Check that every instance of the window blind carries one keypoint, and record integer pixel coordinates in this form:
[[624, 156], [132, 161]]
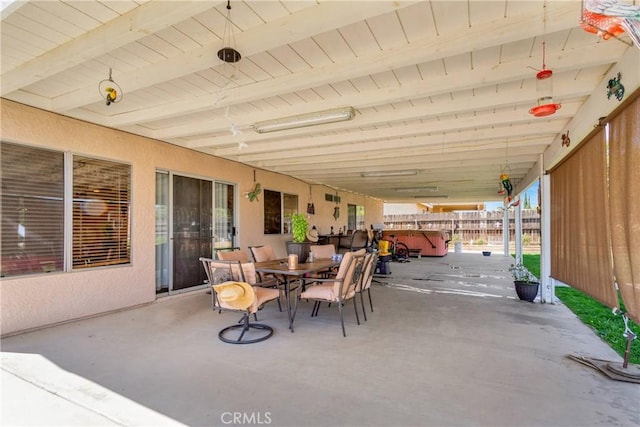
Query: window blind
[[101, 205], [32, 211]]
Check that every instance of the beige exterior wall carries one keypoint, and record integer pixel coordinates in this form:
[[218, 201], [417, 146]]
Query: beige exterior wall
[[39, 300]]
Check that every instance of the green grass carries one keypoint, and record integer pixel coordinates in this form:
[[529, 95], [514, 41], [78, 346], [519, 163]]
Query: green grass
[[596, 315]]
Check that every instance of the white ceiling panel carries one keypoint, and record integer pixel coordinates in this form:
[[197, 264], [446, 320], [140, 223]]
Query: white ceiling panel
[[440, 87]]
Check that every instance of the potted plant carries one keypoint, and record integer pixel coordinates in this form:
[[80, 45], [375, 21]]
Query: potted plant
[[525, 283], [299, 245]]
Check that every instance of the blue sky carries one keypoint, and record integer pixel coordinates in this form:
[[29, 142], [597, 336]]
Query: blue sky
[[532, 192]]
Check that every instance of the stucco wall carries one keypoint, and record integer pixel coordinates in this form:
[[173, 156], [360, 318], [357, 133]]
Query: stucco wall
[[35, 301]]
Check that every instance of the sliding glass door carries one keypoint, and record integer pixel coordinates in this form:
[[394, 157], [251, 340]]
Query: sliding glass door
[[194, 217]]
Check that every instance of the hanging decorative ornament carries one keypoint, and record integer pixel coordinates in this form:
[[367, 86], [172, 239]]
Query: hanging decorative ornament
[[110, 90], [311, 209], [506, 184], [501, 189], [544, 89], [228, 53]]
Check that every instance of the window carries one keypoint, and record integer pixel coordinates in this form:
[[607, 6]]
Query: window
[[101, 198], [355, 217], [33, 211], [32, 238], [278, 208]]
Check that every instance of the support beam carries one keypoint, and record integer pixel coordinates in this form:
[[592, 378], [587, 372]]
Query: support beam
[[505, 229], [547, 285], [518, 231]]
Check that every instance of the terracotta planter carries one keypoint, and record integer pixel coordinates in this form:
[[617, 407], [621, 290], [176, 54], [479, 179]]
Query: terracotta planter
[[527, 291]]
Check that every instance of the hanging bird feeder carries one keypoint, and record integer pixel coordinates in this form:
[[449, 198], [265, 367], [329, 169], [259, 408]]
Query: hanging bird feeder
[[544, 89], [228, 53], [110, 90]]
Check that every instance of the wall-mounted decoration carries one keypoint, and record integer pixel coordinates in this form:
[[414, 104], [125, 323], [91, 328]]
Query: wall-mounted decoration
[[336, 212], [311, 209], [614, 87], [254, 193], [566, 141]]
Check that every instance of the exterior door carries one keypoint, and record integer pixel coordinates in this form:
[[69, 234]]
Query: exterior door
[[192, 230]]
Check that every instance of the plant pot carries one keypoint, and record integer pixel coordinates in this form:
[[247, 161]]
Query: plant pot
[[527, 291], [301, 249]]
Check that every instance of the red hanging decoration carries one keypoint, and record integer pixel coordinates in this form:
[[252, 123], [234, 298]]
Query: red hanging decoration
[[544, 87]]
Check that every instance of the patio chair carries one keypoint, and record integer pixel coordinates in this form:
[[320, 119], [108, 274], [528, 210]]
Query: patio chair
[[359, 240], [366, 279], [266, 253], [254, 278], [354, 241], [230, 291], [323, 252], [338, 289]]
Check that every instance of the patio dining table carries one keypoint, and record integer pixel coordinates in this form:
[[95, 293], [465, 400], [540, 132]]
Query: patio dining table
[[279, 267]]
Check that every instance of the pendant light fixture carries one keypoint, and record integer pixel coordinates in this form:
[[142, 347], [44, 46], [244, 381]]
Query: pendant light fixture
[[228, 53]]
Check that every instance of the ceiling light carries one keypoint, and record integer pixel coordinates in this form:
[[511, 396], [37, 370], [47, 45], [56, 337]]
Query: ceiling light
[[413, 189], [389, 173], [443, 196], [304, 120]]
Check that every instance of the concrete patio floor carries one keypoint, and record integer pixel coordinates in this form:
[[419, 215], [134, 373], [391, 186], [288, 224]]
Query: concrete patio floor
[[448, 344]]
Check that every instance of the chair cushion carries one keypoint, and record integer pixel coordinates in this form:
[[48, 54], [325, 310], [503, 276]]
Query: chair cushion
[[248, 271], [323, 251], [263, 295], [263, 253], [322, 291], [345, 272], [236, 255]]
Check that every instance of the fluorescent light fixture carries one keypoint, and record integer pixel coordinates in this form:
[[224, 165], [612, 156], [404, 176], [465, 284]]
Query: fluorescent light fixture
[[304, 120], [389, 173], [443, 196], [414, 189]]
